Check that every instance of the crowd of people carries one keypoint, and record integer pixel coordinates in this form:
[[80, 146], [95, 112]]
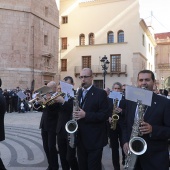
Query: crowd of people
[[94, 119], [14, 103]]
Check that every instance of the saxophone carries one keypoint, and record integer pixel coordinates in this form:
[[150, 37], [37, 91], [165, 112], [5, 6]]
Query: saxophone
[[137, 145], [115, 116], [72, 125]]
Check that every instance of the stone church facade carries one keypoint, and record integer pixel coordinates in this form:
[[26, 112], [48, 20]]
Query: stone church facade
[[28, 43]]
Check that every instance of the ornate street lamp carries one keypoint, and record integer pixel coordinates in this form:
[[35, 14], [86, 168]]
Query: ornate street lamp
[[105, 64], [162, 81]]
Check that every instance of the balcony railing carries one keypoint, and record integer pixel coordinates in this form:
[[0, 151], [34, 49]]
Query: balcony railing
[[164, 66], [97, 69]]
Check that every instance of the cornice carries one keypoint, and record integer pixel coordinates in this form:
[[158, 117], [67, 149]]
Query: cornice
[[97, 2], [147, 31]]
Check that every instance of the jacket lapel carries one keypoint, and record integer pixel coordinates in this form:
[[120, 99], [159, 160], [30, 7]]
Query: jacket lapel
[[88, 96], [150, 109], [133, 111]]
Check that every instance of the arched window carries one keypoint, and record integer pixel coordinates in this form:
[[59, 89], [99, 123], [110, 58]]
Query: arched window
[[120, 36], [82, 39], [91, 39], [110, 37]]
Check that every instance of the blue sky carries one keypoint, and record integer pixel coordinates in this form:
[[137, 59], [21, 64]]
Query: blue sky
[[160, 12]]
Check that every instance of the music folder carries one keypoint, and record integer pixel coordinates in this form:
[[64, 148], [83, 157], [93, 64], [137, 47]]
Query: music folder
[[134, 94]]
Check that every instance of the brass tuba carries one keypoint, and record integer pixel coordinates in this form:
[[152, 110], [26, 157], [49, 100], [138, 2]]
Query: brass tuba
[[115, 116]]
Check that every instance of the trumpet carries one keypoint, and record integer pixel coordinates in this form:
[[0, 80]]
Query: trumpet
[[115, 116], [37, 100], [43, 101], [51, 101]]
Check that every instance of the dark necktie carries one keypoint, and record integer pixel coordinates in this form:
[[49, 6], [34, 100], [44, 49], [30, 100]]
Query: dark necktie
[[84, 93]]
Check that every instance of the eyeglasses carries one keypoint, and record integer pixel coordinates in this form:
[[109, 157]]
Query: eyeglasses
[[81, 77], [116, 88]]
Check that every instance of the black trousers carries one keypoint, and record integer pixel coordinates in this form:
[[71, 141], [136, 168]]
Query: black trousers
[[89, 159], [67, 154], [2, 167], [115, 142], [49, 144]]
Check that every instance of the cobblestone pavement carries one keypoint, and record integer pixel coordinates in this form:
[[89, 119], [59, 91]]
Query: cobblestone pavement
[[22, 148]]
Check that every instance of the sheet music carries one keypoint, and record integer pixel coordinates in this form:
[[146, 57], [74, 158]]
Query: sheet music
[[67, 88], [135, 94], [21, 95], [115, 95]]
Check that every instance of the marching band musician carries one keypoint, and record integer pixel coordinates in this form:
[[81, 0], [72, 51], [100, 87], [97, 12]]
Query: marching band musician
[[2, 128], [91, 118], [48, 127], [66, 153], [115, 135], [155, 127]]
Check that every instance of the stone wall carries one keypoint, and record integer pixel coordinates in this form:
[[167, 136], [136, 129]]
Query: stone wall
[[23, 54]]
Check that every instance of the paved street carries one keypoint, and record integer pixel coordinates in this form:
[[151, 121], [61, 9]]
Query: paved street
[[22, 149]]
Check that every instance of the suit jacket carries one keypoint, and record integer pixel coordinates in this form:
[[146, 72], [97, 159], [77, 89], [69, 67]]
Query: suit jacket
[[65, 114], [110, 101], [2, 113], [156, 156], [49, 117], [92, 130]]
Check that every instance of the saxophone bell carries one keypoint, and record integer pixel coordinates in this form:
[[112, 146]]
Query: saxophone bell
[[71, 126], [115, 118], [137, 145]]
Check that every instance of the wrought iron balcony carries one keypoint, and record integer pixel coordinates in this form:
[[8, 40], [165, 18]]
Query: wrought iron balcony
[[97, 70]]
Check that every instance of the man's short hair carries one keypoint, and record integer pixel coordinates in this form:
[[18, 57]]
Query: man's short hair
[[89, 69], [148, 71], [117, 83], [69, 78]]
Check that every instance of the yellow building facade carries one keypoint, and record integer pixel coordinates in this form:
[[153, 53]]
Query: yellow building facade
[[162, 60]]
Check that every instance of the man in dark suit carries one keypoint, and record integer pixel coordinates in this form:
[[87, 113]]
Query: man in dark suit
[[116, 134], [2, 130], [67, 154], [48, 127], [92, 116], [155, 127]]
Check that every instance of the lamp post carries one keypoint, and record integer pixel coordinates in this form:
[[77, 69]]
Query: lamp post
[[162, 80], [105, 64]]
